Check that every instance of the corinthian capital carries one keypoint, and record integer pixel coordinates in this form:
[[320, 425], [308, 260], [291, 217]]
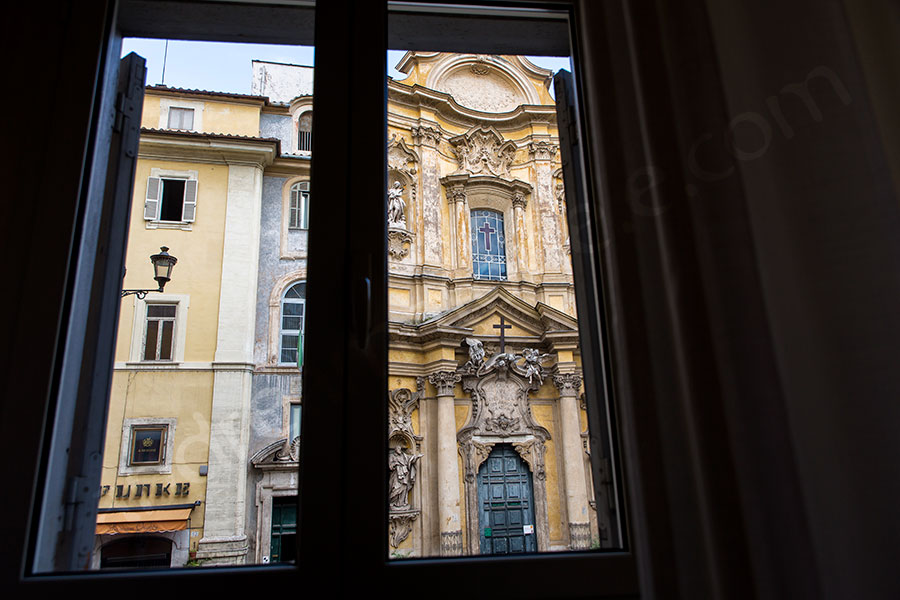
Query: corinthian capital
[[542, 150], [444, 381], [568, 384], [426, 136]]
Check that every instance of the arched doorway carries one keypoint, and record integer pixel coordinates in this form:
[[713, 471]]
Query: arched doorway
[[135, 552], [506, 503]]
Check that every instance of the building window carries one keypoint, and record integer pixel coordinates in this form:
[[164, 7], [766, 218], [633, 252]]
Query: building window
[[298, 211], [160, 333], [148, 445], [171, 200], [304, 132], [284, 529], [488, 245], [295, 421], [181, 118], [293, 315]]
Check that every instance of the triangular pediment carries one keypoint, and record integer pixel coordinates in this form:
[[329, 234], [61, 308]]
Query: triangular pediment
[[479, 316]]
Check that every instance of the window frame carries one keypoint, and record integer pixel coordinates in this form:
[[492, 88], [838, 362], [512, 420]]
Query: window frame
[[281, 329], [362, 287], [500, 216], [182, 303], [159, 333], [302, 209], [182, 112], [163, 175]]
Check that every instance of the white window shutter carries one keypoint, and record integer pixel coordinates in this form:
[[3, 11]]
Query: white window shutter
[[151, 203], [190, 201]]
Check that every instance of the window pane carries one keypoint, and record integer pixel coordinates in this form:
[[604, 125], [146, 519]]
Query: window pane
[[487, 451], [161, 310], [151, 341], [165, 344], [165, 349]]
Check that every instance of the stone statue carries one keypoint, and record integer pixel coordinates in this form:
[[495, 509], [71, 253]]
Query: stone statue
[[533, 359], [402, 465], [396, 213], [476, 352]]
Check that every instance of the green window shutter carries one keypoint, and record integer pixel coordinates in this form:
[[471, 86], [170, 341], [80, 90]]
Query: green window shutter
[[151, 203]]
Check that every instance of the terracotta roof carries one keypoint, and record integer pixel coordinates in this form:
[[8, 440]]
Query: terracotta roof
[[227, 136], [195, 92]]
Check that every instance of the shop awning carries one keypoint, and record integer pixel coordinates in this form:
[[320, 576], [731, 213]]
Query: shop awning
[[145, 521]]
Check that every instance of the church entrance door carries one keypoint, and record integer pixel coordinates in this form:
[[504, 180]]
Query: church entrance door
[[506, 503]]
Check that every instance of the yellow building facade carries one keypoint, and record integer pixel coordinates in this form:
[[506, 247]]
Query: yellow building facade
[[184, 356]]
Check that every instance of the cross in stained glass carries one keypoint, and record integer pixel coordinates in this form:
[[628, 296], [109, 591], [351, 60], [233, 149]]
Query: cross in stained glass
[[487, 230], [503, 326]]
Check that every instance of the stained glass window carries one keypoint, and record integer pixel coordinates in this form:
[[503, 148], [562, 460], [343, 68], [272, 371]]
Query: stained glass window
[[488, 245]]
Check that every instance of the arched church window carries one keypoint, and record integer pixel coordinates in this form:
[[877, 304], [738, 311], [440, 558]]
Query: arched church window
[[304, 132], [488, 245], [293, 316], [298, 217]]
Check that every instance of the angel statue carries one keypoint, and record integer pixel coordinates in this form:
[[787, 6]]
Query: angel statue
[[476, 352], [533, 359], [396, 214], [402, 465]]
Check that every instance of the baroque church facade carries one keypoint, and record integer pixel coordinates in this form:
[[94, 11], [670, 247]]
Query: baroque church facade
[[487, 425]]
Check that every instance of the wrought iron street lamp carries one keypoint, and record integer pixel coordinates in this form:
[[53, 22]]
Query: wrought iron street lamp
[[162, 272]]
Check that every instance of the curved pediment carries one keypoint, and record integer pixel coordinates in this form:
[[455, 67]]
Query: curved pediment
[[282, 454]]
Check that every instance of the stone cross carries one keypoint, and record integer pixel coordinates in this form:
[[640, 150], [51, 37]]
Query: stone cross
[[502, 327]]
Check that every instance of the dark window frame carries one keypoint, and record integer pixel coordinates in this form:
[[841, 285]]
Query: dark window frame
[[361, 287]]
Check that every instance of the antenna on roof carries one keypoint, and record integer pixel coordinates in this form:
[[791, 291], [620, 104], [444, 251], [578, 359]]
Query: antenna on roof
[[165, 56]]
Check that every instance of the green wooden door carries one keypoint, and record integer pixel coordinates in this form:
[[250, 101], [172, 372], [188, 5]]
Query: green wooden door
[[284, 529], [506, 503]]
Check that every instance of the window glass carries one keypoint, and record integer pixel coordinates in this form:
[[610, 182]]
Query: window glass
[[181, 118], [180, 482], [488, 245], [292, 318], [304, 132], [160, 328], [488, 447], [298, 217]]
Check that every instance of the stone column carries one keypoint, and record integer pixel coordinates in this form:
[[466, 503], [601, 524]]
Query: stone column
[[447, 464], [518, 203], [573, 461], [548, 220], [461, 236], [427, 139], [224, 539]]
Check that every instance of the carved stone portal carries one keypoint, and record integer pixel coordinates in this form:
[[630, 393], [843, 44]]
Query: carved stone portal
[[501, 413]]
